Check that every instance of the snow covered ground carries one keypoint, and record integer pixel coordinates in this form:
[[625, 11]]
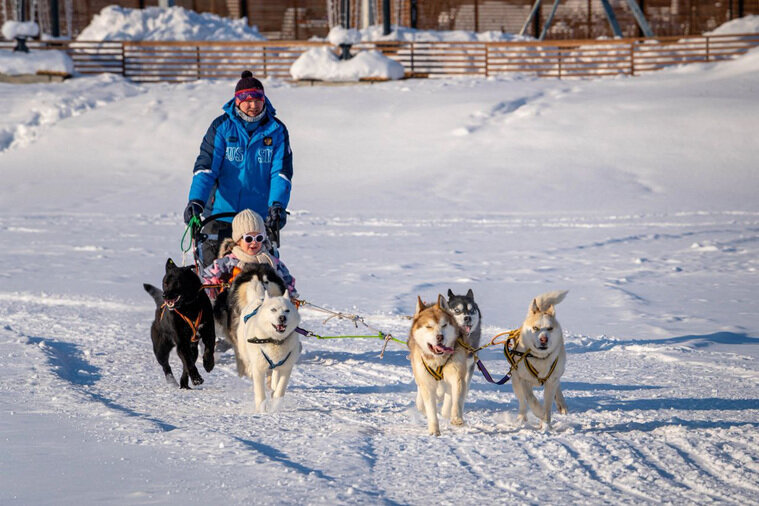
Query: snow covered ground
[[638, 195]]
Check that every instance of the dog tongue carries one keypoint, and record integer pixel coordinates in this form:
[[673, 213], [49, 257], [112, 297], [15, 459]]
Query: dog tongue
[[443, 349], [468, 328]]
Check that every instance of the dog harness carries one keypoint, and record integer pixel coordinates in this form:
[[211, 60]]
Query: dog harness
[[272, 365], [436, 373], [511, 353], [251, 314], [195, 326]]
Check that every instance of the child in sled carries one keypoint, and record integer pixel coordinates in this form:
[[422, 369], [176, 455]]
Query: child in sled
[[248, 245]]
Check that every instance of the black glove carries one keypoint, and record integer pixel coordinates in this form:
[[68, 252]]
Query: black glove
[[194, 208], [276, 218]]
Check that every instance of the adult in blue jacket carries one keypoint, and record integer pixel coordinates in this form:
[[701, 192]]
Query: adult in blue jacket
[[245, 162]]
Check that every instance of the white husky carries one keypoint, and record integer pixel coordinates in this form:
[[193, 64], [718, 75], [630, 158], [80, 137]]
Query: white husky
[[269, 345], [538, 359]]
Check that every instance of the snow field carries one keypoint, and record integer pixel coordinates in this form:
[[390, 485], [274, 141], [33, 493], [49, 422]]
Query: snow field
[[637, 195]]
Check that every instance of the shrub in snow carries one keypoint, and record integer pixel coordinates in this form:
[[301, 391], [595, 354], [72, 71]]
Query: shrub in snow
[[322, 64], [339, 35], [173, 23], [13, 29]]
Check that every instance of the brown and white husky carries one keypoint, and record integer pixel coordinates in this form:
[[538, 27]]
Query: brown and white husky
[[438, 362]]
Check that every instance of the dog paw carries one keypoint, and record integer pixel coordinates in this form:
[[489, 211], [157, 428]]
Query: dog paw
[[457, 421], [434, 432], [208, 362], [563, 410], [197, 380], [522, 419], [171, 380], [546, 426]]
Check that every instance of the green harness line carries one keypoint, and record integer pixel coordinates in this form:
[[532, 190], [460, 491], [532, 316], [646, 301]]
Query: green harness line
[[380, 335], [193, 224]]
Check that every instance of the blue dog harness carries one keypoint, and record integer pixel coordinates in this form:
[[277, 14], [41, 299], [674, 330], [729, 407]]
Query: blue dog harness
[[272, 365]]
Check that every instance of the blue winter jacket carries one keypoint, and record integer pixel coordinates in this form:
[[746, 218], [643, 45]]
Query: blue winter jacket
[[243, 171]]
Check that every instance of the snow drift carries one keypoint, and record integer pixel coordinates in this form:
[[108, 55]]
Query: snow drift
[[322, 63], [173, 23]]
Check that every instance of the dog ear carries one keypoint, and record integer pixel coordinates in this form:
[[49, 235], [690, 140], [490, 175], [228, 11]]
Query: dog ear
[[550, 311], [419, 305], [442, 303], [286, 294], [450, 293], [534, 309], [170, 265], [266, 295], [470, 294]]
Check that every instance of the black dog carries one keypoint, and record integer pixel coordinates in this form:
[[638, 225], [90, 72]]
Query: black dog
[[183, 317]]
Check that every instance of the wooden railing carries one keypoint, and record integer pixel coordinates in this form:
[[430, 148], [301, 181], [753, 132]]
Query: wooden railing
[[188, 61]]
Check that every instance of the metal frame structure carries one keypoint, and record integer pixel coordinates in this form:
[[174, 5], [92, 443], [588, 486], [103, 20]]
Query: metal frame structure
[[637, 13]]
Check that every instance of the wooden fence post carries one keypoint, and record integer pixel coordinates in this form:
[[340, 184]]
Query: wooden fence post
[[263, 57], [412, 57], [197, 63], [707, 48], [559, 63], [632, 57], [487, 60], [123, 60]]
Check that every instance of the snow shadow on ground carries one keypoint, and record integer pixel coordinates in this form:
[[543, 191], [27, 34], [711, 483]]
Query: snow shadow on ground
[[656, 424], [277, 456], [68, 363], [604, 343], [394, 358], [697, 341], [688, 404]]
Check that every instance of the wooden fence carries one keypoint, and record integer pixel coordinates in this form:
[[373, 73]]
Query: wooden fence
[[187, 61]]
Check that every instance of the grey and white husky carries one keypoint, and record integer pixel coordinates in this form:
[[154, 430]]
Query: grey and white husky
[[467, 314]]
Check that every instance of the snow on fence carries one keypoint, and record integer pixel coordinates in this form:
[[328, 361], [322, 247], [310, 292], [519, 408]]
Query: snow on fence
[[187, 61]]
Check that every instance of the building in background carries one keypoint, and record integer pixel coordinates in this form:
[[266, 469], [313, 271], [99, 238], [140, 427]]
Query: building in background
[[303, 19]]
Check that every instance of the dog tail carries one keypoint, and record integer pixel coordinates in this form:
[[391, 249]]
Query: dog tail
[[154, 292], [548, 300]]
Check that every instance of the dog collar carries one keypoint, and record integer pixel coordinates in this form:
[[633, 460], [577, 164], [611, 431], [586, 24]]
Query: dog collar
[[256, 340]]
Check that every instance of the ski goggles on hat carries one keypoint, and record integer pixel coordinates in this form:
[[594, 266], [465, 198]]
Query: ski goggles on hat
[[249, 238], [249, 94]]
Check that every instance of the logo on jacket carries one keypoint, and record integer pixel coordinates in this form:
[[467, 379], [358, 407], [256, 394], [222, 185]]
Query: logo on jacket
[[267, 141], [265, 155], [234, 154]]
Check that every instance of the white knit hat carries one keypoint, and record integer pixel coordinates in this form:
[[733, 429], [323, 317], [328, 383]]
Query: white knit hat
[[245, 222]]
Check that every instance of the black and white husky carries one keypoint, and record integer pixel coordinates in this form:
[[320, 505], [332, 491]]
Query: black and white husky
[[467, 314], [247, 288]]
